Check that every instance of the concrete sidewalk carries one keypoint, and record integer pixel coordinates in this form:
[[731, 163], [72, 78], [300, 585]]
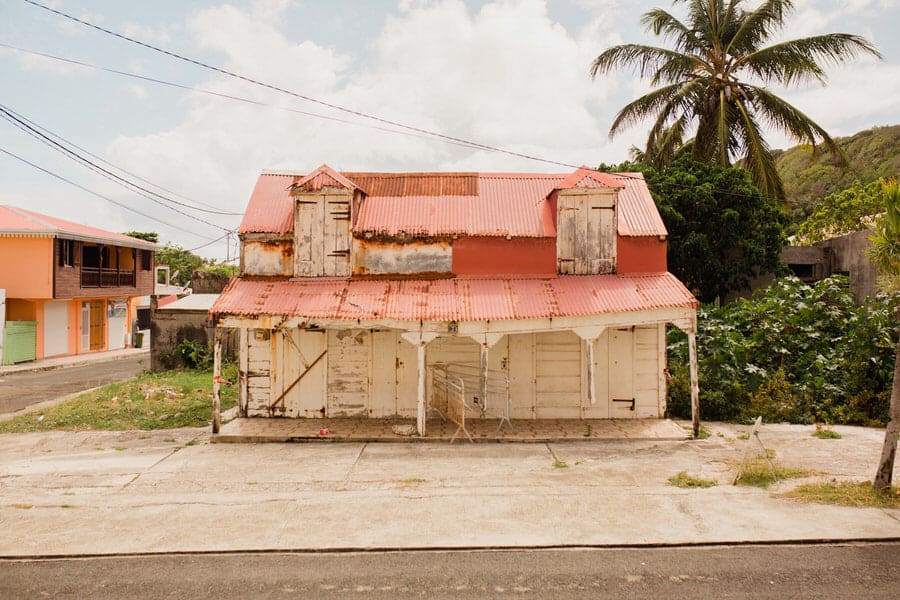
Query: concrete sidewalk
[[126, 492], [61, 362]]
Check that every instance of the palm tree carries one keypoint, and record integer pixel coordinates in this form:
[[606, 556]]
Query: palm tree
[[885, 253], [713, 84]]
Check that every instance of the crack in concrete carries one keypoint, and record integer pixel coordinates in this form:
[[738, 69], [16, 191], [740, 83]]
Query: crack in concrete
[[151, 467], [355, 462]]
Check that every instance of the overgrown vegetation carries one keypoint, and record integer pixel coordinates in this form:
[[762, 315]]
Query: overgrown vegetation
[[182, 264], [824, 432], [683, 480], [150, 401], [791, 353], [847, 493], [840, 213], [188, 354]]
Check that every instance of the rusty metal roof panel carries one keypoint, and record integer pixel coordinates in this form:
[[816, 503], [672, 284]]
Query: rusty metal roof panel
[[638, 215], [452, 299], [416, 184], [271, 206]]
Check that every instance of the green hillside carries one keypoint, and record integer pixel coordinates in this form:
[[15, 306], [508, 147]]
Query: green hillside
[[872, 153]]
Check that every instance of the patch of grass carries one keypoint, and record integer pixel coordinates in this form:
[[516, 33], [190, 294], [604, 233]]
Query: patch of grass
[[758, 473], [23, 506], [744, 436], [847, 493], [251, 483], [413, 480], [120, 448], [587, 430], [683, 480], [191, 443], [702, 434], [169, 440], [560, 464], [67, 506], [165, 400], [824, 432]]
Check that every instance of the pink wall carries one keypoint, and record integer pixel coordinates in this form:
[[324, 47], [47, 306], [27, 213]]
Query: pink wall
[[640, 255], [499, 256]]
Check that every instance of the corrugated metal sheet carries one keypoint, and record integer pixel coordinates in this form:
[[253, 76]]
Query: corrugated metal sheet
[[637, 211], [416, 184], [483, 204], [452, 299], [18, 221], [271, 206]]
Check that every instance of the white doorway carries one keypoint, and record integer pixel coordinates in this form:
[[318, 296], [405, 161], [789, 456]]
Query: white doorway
[[56, 327]]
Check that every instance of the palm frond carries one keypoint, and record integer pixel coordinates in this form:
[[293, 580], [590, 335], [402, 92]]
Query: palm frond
[[757, 26], [646, 59], [638, 110], [885, 250], [758, 157], [663, 23], [799, 60]]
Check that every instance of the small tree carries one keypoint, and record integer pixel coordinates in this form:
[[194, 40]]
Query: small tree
[[147, 236], [723, 231], [181, 262], [885, 254], [843, 212]]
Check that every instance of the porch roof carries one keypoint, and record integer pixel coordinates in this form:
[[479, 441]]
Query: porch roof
[[457, 299]]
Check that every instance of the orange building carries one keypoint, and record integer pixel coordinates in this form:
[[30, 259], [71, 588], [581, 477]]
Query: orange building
[[77, 285]]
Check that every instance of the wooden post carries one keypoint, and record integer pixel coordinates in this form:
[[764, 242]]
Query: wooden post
[[217, 378], [695, 383], [484, 375], [420, 390], [592, 394]]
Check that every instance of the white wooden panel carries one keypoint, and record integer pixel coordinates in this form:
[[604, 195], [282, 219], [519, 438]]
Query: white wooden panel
[[600, 408], [600, 247], [307, 397], [243, 367], [566, 223], [646, 371], [337, 235], [521, 375], [259, 381], [383, 399], [621, 373], [56, 327], [453, 349], [309, 241], [558, 366], [407, 378], [348, 372]]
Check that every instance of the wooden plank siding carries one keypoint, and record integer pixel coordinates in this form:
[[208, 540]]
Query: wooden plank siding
[[349, 367]]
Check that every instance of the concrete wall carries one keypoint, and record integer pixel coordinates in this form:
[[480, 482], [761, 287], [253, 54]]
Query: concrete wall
[[846, 255], [168, 327], [203, 282]]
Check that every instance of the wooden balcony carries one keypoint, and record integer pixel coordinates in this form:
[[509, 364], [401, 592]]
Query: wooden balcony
[[92, 277]]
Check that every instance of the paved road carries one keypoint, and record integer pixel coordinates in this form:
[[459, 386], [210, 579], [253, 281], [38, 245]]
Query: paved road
[[795, 571], [18, 390]]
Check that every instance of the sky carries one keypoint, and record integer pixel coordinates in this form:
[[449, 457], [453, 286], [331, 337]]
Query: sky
[[509, 74]]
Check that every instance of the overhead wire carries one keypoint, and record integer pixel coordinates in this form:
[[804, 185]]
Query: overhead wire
[[331, 105], [99, 195], [225, 97], [11, 117]]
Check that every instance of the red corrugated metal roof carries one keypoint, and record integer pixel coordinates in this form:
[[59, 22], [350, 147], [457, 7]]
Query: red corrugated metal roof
[[18, 221], [323, 177], [488, 204], [638, 215], [457, 299]]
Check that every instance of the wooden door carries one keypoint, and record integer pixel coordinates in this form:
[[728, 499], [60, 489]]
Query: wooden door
[[337, 235], [98, 324], [621, 373], [557, 369], [349, 364], [301, 369]]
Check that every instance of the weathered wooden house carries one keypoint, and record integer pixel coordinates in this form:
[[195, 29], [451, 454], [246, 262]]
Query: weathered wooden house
[[356, 287]]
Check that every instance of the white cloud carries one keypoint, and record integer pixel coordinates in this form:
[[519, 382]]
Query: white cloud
[[506, 75]]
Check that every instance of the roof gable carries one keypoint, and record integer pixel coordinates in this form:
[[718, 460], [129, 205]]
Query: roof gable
[[321, 178]]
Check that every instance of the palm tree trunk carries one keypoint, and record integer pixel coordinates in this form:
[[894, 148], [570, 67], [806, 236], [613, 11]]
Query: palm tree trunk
[[885, 472]]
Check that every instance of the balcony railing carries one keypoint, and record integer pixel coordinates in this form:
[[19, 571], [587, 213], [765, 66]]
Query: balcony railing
[[97, 277]]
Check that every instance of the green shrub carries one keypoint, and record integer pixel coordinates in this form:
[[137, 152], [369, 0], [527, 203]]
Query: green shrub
[[188, 354], [793, 353]]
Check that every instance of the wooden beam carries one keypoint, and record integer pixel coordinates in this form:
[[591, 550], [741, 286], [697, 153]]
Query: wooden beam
[[695, 383], [217, 378]]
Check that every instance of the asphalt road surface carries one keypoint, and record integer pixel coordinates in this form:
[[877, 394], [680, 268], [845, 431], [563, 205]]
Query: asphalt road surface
[[18, 390], [775, 571]]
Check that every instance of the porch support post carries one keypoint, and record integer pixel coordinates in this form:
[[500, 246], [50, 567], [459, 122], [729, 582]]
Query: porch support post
[[695, 383], [217, 378], [590, 335], [487, 341], [420, 339]]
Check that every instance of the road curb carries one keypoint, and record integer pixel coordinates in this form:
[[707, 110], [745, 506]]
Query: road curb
[[448, 549]]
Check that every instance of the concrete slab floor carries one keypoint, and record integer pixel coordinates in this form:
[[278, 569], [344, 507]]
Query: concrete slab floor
[[113, 492]]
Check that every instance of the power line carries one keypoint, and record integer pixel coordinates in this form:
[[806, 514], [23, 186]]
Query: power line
[[218, 239], [223, 96], [98, 195], [11, 117], [333, 106]]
